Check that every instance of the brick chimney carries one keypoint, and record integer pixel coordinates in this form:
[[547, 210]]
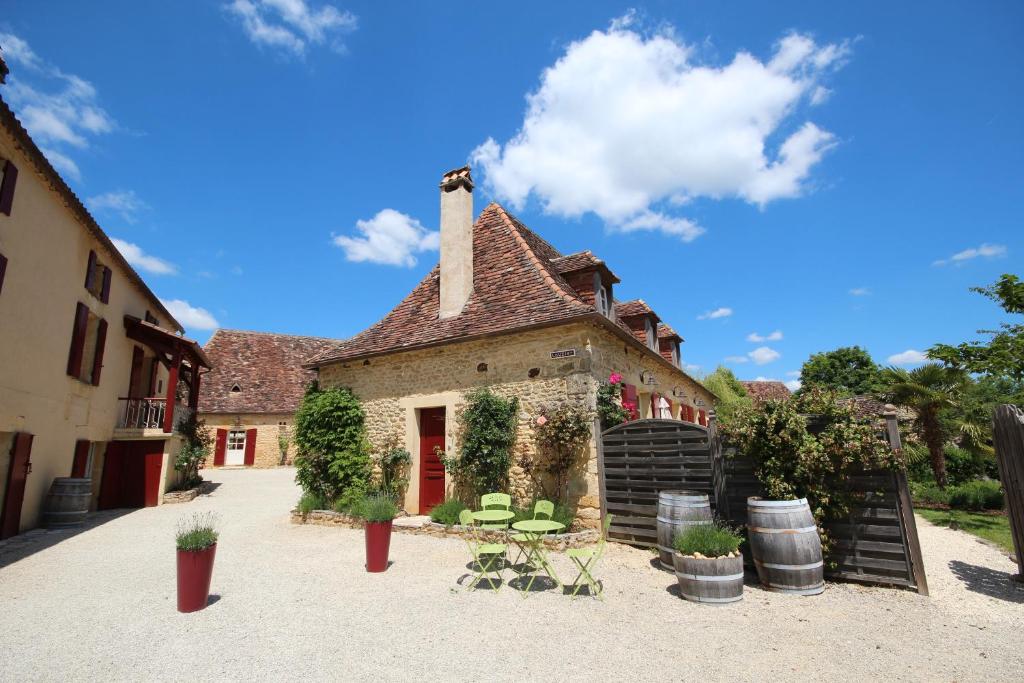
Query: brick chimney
[[456, 241]]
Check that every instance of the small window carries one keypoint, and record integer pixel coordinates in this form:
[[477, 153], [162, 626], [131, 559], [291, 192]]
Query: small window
[[235, 389], [652, 337], [97, 278], [676, 361], [150, 318]]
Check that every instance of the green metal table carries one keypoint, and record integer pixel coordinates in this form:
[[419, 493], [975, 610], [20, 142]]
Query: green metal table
[[532, 543], [493, 516]]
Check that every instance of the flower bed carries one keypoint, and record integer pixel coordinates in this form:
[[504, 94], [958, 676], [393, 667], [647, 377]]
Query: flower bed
[[554, 541]]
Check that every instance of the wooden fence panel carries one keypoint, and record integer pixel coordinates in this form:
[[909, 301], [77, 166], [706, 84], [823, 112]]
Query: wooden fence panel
[[1008, 434]]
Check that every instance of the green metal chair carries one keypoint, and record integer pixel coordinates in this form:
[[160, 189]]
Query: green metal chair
[[488, 558], [543, 509], [586, 559], [495, 501]]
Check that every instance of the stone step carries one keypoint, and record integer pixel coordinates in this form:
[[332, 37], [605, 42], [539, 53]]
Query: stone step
[[412, 521]]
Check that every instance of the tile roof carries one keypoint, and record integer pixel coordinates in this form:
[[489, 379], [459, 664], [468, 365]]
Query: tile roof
[[766, 391], [266, 367], [581, 260], [515, 286], [869, 408], [666, 332], [24, 142], [628, 309]]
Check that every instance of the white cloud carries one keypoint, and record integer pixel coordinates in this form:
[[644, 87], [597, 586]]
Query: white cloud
[[623, 124], [982, 251], [293, 25], [722, 312], [190, 316], [793, 373], [57, 108], [860, 291], [141, 260], [763, 355], [774, 336], [793, 384], [123, 202], [820, 95], [391, 238], [736, 359], [908, 357]]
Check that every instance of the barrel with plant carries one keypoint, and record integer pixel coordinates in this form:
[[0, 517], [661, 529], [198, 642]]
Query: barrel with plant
[[196, 541], [678, 511], [708, 564]]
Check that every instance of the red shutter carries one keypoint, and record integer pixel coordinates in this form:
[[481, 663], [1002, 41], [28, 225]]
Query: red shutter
[[105, 291], [90, 271], [97, 360], [78, 340], [220, 446], [81, 459], [153, 369], [630, 401], [7, 188], [702, 417], [671, 409], [3, 270], [250, 446]]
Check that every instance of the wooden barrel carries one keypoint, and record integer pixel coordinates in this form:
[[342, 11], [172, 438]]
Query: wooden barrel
[[712, 581], [785, 544], [678, 511], [67, 503]]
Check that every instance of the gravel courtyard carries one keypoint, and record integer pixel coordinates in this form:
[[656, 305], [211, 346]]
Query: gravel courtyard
[[293, 603]]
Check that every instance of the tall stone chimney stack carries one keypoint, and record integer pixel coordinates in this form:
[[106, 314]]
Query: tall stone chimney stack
[[456, 241]]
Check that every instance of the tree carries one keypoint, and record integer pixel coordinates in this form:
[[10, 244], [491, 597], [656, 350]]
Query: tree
[[848, 370], [731, 394], [929, 390], [1003, 354]]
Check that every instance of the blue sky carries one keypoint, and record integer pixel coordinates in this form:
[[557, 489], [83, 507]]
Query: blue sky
[[774, 179]]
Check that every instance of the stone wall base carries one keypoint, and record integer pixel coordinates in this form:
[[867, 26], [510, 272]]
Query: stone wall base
[[578, 539]]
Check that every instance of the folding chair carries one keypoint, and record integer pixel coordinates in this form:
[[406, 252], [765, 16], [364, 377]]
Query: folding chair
[[488, 558], [495, 501], [586, 559]]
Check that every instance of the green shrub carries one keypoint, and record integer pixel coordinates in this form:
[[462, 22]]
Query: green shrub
[[487, 426], [928, 493], [563, 514], [562, 436], [330, 439], [197, 532], [710, 540], [963, 466], [375, 507], [981, 494], [447, 513], [311, 501]]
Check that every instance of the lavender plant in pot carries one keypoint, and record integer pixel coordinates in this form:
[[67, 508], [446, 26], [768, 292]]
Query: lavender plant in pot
[[708, 564], [196, 541], [377, 511]]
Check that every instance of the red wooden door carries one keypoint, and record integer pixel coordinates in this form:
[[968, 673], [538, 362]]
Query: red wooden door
[[14, 495], [131, 474], [110, 484], [431, 469], [152, 456]]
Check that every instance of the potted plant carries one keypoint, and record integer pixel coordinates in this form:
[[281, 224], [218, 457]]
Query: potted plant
[[708, 564], [377, 512], [196, 541]]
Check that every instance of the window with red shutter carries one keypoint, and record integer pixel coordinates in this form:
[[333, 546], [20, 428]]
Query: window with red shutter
[[101, 342], [3, 271], [78, 340], [10, 179], [630, 401], [80, 465], [105, 287], [90, 271]]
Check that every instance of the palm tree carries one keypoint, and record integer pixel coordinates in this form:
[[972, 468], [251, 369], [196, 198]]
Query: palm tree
[[928, 390]]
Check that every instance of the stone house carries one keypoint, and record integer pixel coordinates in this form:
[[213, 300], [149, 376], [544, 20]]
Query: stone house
[[504, 309], [250, 396], [94, 373]]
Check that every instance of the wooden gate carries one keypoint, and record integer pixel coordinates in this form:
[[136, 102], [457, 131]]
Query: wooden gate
[[638, 459]]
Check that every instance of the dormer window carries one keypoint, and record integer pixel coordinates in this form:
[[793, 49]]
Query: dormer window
[[676, 360], [649, 335], [603, 301]]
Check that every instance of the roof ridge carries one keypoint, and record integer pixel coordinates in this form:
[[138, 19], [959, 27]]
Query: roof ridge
[[544, 273], [275, 334]]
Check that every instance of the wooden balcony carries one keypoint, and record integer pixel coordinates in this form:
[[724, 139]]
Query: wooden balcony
[[140, 418]]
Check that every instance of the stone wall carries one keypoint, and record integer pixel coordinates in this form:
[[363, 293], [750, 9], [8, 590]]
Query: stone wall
[[393, 388], [267, 425]]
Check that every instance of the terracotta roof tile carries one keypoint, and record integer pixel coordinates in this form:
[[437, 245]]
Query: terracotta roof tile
[[266, 367], [629, 309], [766, 391], [870, 408], [514, 286], [666, 332]]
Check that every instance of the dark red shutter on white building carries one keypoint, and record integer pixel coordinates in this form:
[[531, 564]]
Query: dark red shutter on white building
[[78, 340], [7, 188], [101, 343]]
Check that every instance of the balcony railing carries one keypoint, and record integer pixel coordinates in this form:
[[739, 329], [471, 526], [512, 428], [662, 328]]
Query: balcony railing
[[149, 413]]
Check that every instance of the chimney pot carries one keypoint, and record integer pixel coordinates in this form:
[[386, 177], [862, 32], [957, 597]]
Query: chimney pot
[[456, 284]]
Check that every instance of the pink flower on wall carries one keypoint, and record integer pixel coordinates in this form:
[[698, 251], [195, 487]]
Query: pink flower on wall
[[615, 378], [541, 421]]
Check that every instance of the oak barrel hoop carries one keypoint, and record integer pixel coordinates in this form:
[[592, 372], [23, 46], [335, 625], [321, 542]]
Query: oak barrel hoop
[[786, 547], [712, 581], [67, 503], [677, 512]]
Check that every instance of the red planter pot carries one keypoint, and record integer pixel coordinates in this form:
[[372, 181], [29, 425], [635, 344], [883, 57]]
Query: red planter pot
[[378, 541], [195, 569]]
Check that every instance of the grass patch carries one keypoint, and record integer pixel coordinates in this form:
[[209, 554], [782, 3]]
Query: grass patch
[[311, 501], [991, 527]]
